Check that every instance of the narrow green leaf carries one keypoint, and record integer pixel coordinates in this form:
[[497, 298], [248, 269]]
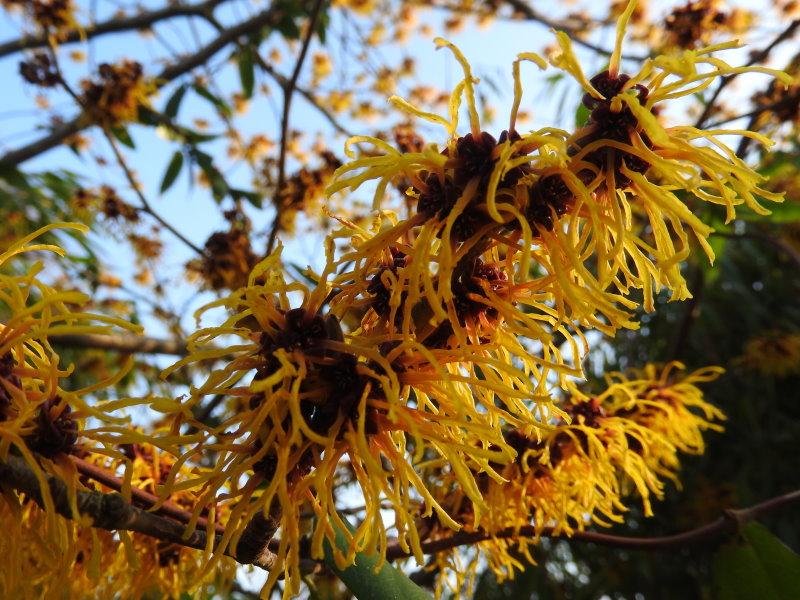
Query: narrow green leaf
[[173, 168], [219, 187], [121, 133], [288, 28], [758, 567], [174, 102], [323, 21], [253, 198], [361, 579], [195, 137], [14, 177], [215, 100], [247, 70]]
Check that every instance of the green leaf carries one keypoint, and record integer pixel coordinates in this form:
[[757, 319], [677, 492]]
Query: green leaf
[[123, 136], [757, 567], [215, 100], [785, 212], [174, 102], [173, 168], [219, 187], [361, 579], [195, 137], [253, 198], [581, 115], [14, 177], [247, 70], [323, 21]]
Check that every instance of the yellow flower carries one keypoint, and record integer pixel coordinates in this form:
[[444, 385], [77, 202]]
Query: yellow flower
[[561, 207], [313, 398], [39, 418], [774, 354], [621, 442]]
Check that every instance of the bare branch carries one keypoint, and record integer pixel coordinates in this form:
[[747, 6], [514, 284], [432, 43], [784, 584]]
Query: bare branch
[[140, 21], [524, 9], [130, 344], [146, 206], [269, 16], [756, 58], [705, 534], [111, 511], [139, 496], [288, 93]]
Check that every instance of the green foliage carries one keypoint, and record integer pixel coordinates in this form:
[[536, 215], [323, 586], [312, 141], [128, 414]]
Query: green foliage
[[366, 584], [757, 566]]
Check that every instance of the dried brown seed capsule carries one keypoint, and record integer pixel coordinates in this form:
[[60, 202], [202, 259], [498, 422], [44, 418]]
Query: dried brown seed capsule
[[549, 194], [473, 157], [39, 70]]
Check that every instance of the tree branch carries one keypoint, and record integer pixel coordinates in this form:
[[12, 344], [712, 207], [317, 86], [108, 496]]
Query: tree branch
[[705, 534], [140, 21], [112, 512], [288, 93], [758, 57], [130, 344], [523, 8], [139, 496], [271, 15]]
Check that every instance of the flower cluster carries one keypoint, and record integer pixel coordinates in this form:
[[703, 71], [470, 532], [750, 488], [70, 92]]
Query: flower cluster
[[422, 363], [115, 95], [53, 17], [624, 441]]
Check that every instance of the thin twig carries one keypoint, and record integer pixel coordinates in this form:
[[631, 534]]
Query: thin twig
[[129, 344], [705, 534], [521, 7], [288, 94], [756, 58], [115, 25], [284, 82], [146, 207]]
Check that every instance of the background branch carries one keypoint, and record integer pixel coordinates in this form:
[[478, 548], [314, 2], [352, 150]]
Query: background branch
[[705, 534], [140, 21], [269, 16], [288, 93], [131, 344]]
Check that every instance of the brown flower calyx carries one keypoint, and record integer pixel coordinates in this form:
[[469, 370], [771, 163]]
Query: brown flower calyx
[[110, 95], [586, 413], [548, 199], [39, 70], [471, 157], [620, 126], [529, 450], [339, 387], [480, 279], [377, 286], [56, 430]]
